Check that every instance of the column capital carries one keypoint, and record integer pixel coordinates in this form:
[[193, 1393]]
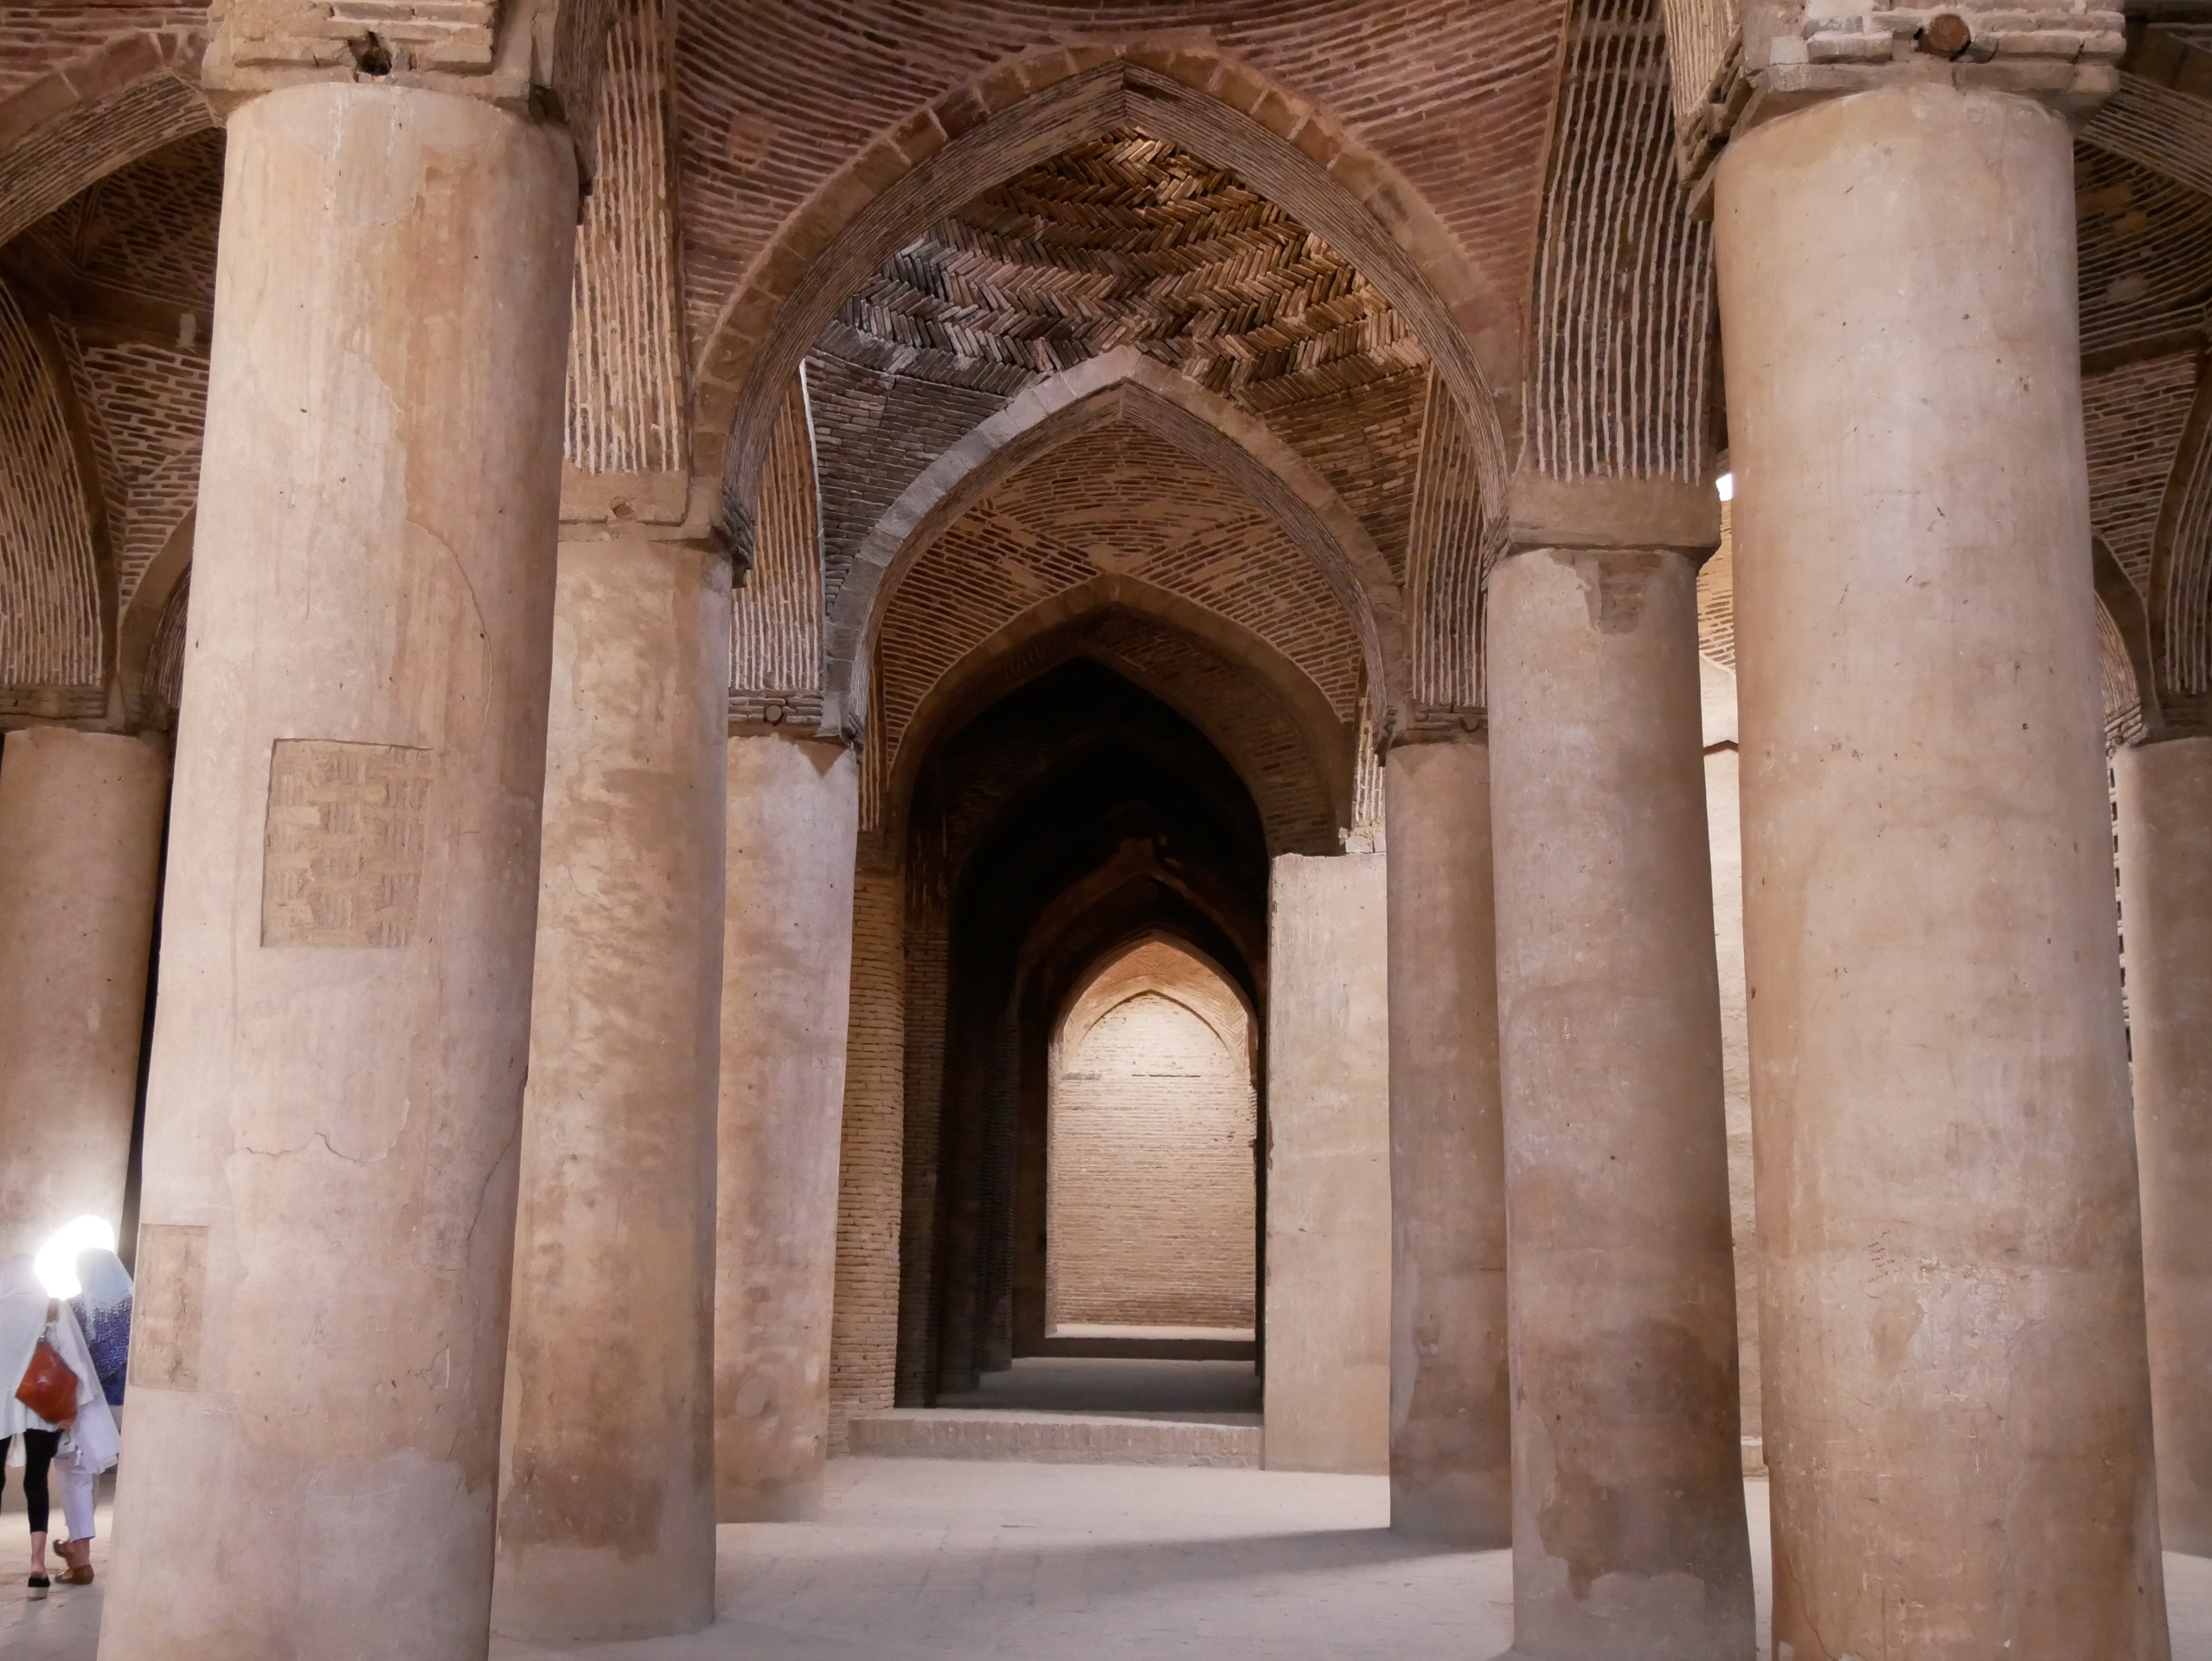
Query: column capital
[[1415, 723], [2167, 715], [540, 58], [1623, 513], [1788, 54], [796, 716]]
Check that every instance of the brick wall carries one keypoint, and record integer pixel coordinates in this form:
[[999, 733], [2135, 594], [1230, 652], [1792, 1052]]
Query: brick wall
[[865, 1327], [1151, 1189]]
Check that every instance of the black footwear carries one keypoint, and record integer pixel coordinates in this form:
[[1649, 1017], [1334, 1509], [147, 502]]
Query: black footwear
[[39, 1584]]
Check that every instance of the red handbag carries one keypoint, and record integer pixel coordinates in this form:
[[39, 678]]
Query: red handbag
[[49, 1388]]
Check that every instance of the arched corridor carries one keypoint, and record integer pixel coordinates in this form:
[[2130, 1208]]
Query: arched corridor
[[1280, 827]]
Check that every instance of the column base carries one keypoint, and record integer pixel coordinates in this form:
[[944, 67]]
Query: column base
[[559, 1595], [798, 1501], [1468, 1514]]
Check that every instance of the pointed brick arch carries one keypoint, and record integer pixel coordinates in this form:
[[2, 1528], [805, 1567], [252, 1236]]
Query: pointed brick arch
[[139, 635], [1253, 704], [1114, 980], [1022, 113], [1122, 385], [93, 113]]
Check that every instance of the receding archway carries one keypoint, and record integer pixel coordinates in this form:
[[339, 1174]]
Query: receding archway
[[1075, 816], [1122, 386], [1151, 1188]]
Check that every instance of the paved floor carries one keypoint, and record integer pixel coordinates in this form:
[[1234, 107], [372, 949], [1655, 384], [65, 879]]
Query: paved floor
[[1214, 1392], [926, 1560], [66, 1626]]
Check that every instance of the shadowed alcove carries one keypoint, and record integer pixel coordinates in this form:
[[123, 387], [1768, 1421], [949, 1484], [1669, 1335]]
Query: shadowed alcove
[[1075, 816]]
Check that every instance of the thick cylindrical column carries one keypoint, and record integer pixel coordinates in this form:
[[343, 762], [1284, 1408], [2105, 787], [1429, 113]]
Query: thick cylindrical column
[[1958, 1423], [2165, 876], [80, 818], [1451, 1441], [1629, 1539], [327, 1222], [794, 813], [607, 1526]]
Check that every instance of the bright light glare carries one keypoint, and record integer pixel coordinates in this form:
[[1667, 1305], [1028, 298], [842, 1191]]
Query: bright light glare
[[56, 1262], [1726, 484]]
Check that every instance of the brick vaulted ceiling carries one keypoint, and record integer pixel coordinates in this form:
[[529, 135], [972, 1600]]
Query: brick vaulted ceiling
[[1125, 239], [1123, 503], [772, 101], [1118, 239]]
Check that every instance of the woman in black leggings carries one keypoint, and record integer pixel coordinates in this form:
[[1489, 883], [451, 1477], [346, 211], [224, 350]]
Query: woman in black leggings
[[24, 1308], [38, 1457]]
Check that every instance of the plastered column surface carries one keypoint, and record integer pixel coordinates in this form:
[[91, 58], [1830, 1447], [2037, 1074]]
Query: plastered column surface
[[327, 1220], [2165, 865], [81, 818], [794, 814], [1451, 1442], [606, 1515], [1326, 1397], [1724, 826], [1958, 1424], [1629, 1538]]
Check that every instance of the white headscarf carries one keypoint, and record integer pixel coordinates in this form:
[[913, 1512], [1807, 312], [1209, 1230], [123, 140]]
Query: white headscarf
[[107, 1282], [22, 1322]]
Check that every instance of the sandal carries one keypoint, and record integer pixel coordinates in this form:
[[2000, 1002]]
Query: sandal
[[77, 1575]]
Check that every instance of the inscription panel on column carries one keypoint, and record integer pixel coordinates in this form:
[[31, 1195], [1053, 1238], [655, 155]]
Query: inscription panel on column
[[168, 1320], [342, 856]]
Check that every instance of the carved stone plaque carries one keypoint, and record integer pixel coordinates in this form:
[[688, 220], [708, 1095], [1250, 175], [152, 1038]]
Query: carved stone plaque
[[342, 858], [168, 1313]]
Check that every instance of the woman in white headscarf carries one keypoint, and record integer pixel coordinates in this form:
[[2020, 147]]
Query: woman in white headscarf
[[101, 1311], [24, 1312]]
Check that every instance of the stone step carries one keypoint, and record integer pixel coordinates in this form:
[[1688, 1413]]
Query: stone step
[[1135, 1344], [1052, 1438]]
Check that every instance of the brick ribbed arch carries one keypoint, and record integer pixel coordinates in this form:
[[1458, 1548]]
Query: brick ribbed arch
[[1098, 993], [93, 113], [138, 632], [114, 98], [1254, 705], [1023, 112], [1122, 385]]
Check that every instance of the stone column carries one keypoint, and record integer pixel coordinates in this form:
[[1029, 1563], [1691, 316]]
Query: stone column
[[80, 818], [1958, 1423], [606, 1527], [1451, 1442], [1629, 1538], [327, 1220], [2165, 869], [1327, 1309], [794, 814]]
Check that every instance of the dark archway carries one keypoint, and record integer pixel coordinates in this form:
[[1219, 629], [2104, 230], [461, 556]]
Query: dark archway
[[1074, 815]]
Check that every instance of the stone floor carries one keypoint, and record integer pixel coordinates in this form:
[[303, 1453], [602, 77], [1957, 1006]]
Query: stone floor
[[925, 1559]]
